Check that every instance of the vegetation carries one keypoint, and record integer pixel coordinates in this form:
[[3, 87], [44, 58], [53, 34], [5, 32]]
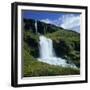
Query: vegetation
[[32, 67], [66, 45]]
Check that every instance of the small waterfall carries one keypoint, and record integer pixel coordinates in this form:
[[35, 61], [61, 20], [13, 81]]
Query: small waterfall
[[47, 53], [36, 26]]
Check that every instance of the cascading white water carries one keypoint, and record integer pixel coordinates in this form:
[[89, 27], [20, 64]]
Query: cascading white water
[[47, 53], [36, 26], [46, 48]]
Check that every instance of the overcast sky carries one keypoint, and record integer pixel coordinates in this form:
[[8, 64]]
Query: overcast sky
[[66, 20]]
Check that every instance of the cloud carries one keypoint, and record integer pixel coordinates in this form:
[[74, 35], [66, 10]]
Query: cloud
[[71, 22], [46, 20], [67, 21], [49, 21]]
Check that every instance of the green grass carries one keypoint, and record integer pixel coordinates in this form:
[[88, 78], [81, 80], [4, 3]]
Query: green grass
[[33, 68]]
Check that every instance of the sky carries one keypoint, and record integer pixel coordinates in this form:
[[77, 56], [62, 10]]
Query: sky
[[69, 21]]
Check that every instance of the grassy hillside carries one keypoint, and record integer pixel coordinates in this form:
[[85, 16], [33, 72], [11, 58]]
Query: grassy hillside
[[32, 67], [66, 45]]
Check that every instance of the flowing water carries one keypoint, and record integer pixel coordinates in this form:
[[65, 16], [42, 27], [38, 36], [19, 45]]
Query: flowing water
[[36, 26], [47, 53]]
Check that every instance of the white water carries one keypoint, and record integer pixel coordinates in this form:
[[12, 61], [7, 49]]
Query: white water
[[36, 26], [47, 53], [46, 48]]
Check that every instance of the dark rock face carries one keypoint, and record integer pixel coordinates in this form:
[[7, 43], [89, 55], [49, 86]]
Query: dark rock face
[[33, 44], [66, 51], [61, 48], [42, 28], [29, 24]]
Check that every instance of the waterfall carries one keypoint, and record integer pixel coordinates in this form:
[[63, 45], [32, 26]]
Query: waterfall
[[47, 53], [36, 26], [46, 48]]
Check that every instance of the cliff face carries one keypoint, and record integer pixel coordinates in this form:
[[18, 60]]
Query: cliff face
[[42, 28]]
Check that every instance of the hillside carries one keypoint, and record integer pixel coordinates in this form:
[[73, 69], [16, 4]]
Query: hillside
[[66, 44]]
